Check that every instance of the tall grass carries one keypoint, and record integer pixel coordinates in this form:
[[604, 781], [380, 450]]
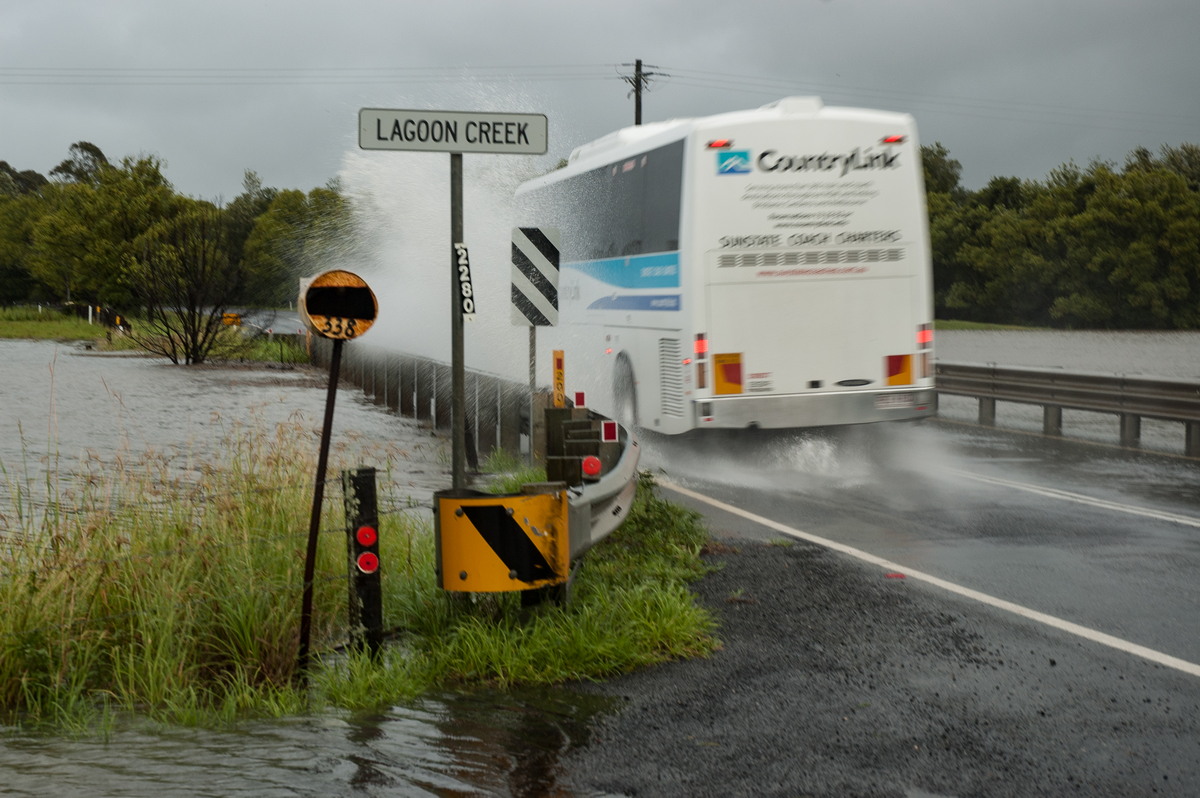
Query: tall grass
[[170, 587]]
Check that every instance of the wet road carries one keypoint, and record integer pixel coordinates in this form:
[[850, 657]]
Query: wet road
[[931, 611], [1095, 536]]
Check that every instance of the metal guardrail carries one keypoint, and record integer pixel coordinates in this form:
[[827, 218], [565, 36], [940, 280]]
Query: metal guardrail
[[597, 508], [1131, 398]]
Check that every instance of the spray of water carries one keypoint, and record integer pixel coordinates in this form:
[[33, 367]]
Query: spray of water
[[402, 202]]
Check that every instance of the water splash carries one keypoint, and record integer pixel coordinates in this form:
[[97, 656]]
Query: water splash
[[403, 207]]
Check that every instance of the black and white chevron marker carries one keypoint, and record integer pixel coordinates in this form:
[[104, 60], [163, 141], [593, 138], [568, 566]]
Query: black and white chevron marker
[[535, 276]]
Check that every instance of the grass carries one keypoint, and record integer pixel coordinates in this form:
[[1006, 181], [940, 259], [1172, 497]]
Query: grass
[[44, 323], [170, 588], [951, 324], [47, 323]]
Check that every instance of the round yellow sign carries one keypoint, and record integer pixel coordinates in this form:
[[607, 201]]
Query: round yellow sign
[[338, 304]]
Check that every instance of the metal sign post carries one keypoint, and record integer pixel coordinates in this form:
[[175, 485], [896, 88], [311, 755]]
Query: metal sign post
[[458, 371], [338, 305], [454, 132]]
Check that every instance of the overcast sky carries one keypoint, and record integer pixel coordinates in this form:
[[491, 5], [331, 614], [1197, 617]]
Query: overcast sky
[[1011, 87]]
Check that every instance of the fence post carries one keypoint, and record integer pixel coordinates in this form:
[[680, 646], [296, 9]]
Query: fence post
[[362, 541]]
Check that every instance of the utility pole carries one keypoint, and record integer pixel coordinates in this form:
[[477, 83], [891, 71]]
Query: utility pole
[[639, 81]]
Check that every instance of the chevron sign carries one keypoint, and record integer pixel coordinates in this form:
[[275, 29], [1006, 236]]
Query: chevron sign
[[535, 276]]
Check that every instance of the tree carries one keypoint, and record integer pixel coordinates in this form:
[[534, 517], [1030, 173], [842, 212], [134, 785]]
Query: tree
[[60, 241], [297, 235], [942, 173], [244, 211], [185, 279], [81, 246], [84, 166], [26, 182], [18, 215]]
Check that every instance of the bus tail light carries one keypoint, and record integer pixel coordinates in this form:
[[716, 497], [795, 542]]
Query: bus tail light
[[925, 344], [700, 349]]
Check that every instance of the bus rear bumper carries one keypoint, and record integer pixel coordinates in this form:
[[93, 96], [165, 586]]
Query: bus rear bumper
[[815, 410]]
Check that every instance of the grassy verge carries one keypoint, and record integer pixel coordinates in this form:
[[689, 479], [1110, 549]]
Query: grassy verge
[[945, 324], [47, 324], [232, 346], [170, 588]]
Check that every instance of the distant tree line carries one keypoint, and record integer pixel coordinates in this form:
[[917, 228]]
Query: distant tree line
[[119, 235], [1101, 247], [1104, 246]]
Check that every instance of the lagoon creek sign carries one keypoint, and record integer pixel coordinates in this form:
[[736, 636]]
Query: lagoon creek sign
[[452, 131]]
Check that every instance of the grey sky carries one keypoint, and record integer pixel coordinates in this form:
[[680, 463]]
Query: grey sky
[[1011, 87]]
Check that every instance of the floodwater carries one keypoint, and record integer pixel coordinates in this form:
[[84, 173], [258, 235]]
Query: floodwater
[[61, 403]]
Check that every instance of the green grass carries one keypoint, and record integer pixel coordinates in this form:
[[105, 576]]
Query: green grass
[[32, 322], [47, 324], [950, 324], [170, 588]]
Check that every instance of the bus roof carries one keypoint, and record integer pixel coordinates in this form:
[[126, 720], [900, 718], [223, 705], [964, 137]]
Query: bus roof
[[644, 137]]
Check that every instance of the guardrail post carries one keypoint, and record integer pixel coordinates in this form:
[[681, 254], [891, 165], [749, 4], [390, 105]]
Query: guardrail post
[[512, 400], [1191, 445], [408, 387], [1051, 420], [443, 396], [393, 383], [425, 388], [1131, 430], [987, 412], [487, 414]]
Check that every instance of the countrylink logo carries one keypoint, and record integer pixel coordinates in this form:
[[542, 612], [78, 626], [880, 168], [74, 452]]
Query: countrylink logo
[[733, 162]]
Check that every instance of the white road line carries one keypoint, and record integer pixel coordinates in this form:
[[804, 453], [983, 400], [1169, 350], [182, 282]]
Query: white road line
[[1065, 495], [1084, 632]]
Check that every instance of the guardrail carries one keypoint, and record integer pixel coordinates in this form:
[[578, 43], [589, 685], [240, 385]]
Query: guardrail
[[1130, 398], [528, 541]]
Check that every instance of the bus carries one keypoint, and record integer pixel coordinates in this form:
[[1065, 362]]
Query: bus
[[766, 268]]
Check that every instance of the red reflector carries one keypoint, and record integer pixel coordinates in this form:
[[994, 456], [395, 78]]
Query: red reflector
[[608, 431], [894, 139], [580, 399], [701, 346], [367, 562], [720, 144], [366, 536]]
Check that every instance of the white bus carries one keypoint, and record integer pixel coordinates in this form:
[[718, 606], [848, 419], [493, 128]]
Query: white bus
[[757, 269]]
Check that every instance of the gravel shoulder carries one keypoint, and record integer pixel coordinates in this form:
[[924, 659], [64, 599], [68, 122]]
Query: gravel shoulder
[[836, 679]]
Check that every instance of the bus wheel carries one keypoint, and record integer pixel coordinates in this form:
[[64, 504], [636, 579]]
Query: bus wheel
[[625, 395]]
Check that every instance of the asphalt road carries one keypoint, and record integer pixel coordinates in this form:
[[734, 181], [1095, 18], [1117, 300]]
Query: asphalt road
[[842, 675]]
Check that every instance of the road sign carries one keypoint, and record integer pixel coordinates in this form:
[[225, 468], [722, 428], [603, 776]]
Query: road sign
[[535, 257], [560, 381], [501, 542], [338, 304], [452, 131]]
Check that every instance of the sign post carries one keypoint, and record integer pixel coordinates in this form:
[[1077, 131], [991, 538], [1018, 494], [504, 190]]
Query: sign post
[[455, 132], [338, 305]]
